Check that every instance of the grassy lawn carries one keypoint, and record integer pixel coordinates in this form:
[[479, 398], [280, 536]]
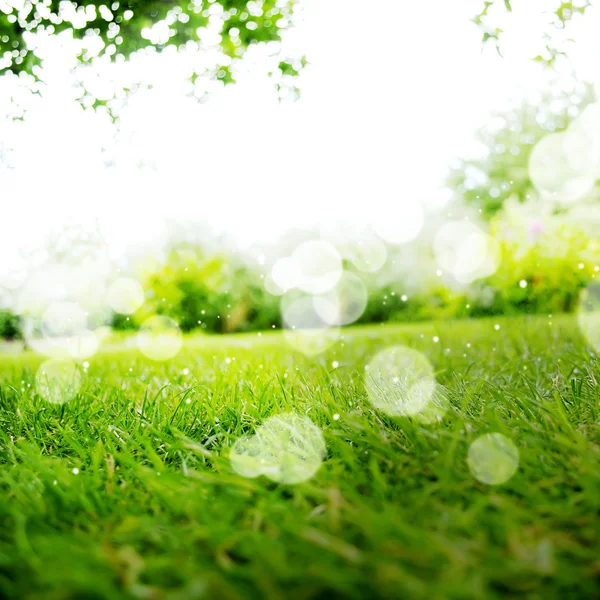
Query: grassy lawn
[[128, 491]]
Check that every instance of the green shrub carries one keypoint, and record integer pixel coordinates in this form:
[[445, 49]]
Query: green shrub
[[542, 271], [10, 325], [212, 293]]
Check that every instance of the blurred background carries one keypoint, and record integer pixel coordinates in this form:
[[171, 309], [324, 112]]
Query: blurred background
[[244, 165]]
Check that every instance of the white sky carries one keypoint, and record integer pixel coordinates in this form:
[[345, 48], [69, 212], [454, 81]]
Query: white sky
[[395, 90]]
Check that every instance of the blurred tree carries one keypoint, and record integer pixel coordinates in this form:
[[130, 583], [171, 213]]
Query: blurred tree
[[502, 169], [562, 13], [213, 292], [10, 325], [130, 25]]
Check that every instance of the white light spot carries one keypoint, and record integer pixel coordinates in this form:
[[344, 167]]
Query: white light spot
[[463, 250], [61, 332], [304, 328], [83, 345], [558, 166], [523, 283], [368, 254], [345, 303], [75, 471], [159, 338], [401, 382], [588, 314], [318, 266], [287, 448], [58, 381], [284, 277], [493, 459], [404, 227], [125, 295]]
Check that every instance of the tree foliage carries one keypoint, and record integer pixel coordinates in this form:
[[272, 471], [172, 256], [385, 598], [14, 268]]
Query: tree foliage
[[214, 292], [562, 14], [502, 170], [127, 26], [10, 325]]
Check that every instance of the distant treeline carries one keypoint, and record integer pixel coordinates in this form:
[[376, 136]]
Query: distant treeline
[[221, 295]]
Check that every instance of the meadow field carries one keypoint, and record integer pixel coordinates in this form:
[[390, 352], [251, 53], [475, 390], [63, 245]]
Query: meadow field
[[129, 490]]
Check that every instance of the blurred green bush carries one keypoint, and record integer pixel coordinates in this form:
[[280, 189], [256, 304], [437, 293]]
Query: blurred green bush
[[10, 325], [543, 269], [215, 293]]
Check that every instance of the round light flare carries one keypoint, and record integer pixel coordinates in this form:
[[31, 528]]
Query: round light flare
[[288, 448], [159, 338], [13, 277], [43, 288], [437, 403], [61, 332], [560, 166], [317, 266], [63, 320], [493, 459], [400, 382], [284, 276], [367, 254], [58, 381], [57, 283], [345, 303], [125, 296], [582, 141], [84, 345], [271, 287], [466, 252], [402, 227], [304, 329], [588, 314]]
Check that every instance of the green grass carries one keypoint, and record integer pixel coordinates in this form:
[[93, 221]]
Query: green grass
[[156, 511]]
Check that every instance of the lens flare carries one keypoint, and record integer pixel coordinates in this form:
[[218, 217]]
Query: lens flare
[[559, 174], [400, 382], [345, 303], [287, 448], [588, 314], [284, 276], [13, 277], [493, 459], [368, 254], [58, 381], [465, 251], [317, 266], [63, 320], [125, 295], [61, 332], [304, 329], [159, 338], [84, 345], [402, 227]]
